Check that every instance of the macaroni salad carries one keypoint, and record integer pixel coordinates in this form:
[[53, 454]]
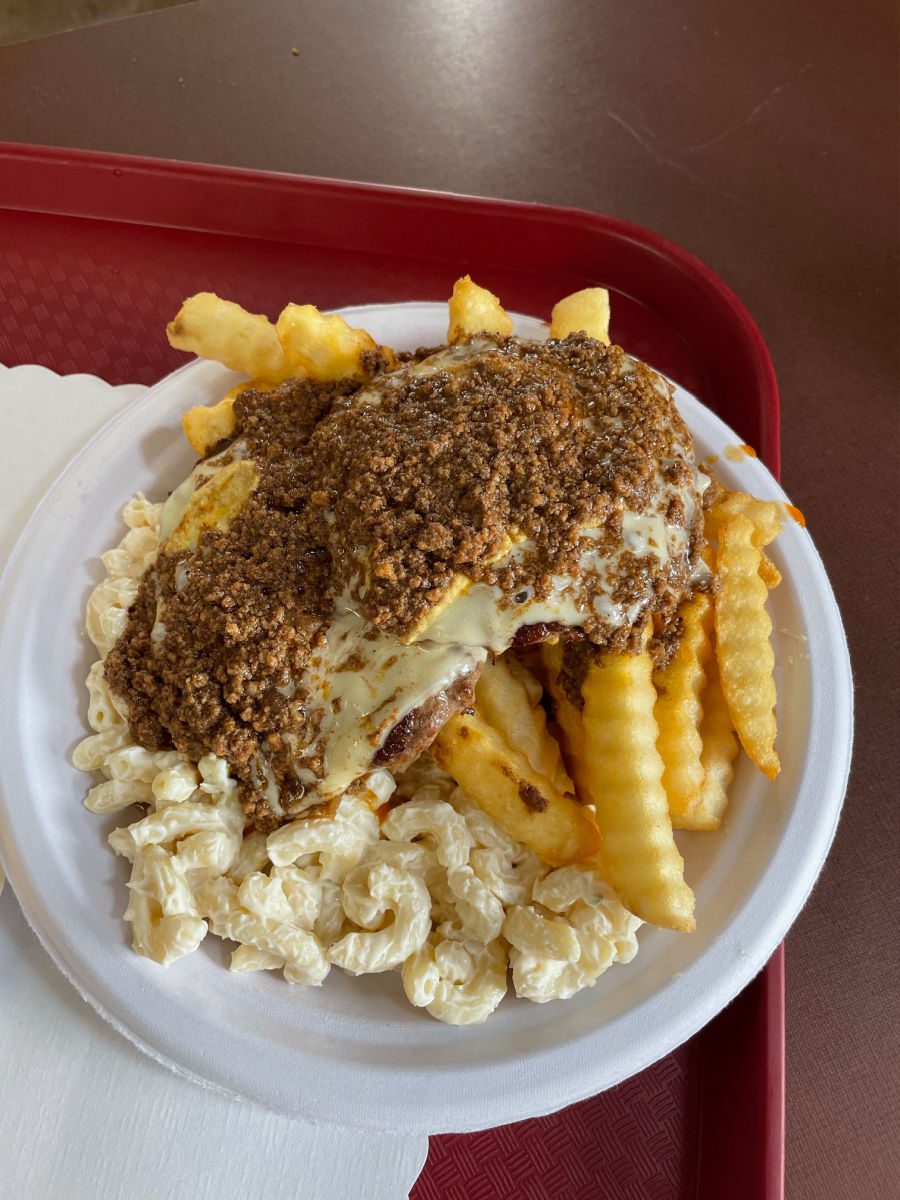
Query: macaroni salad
[[436, 890]]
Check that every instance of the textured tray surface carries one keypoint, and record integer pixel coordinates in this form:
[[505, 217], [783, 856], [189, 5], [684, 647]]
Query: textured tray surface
[[93, 295]]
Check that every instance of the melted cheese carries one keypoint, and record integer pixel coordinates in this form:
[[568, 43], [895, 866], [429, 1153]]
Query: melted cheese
[[361, 683], [177, 504], [365, 683], [444, 361], [479, 614], [172, 515]]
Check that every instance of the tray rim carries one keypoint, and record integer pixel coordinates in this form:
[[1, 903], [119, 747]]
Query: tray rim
[[42, 160], [25, 155]]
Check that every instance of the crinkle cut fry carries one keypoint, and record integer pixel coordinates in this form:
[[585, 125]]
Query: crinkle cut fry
[[744, 650], [568, 720], [324, 346], [625, 774], [207, 425], [766, 517], [571, 733], [586, 311], [679, 706], [474, 310], [720, 747], [221, 330], [304, 343]]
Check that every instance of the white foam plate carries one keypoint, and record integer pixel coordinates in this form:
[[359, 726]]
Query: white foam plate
[[354, 1052]]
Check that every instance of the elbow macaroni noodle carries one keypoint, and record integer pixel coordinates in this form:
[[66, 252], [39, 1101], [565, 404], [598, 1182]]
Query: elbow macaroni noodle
[[437, 891]]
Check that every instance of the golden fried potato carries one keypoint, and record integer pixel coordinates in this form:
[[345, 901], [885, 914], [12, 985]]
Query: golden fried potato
[[526, 804], [474, 309], [766, 516], [720, 747], [508, 698], [586, 311], [568, 720], [218, 329], [743, 642], [625, 774], [214, 506], [679, 711], [206, 425], [323, 347], [769, 573]]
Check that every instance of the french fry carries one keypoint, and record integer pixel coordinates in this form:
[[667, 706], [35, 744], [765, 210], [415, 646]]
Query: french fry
[[474, 309], [218, 329], [525, 803], [206, 425], [214, 506], [323, 347], [743, 643], [720, 747], [568, 720], [679, 710], [625, 774], [766, 517], [531, 660], [768, 572], [586, 311], [508, 698]]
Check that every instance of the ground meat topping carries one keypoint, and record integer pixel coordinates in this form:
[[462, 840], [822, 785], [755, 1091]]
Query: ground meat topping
[[428, 474], [241, 617], [371, 498]]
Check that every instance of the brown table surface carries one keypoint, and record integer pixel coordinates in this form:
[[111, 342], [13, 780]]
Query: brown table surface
[[761, 136]]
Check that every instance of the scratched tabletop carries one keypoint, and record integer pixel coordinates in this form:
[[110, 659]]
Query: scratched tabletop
[[762, 137]]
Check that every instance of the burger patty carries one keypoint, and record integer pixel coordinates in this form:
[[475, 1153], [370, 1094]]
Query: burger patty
[[419, 728], [290, 636]]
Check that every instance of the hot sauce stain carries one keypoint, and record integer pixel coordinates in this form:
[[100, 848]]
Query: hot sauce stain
[[795, 512], [736, 453], [383, 811]]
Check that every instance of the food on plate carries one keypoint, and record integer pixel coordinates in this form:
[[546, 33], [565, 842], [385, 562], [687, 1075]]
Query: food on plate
[[719, 743], [206, 425], [743, 643], [679, 685], [586, 311], [322, 347], [474, 310], [424, 662], [529, 805], [215, 506], [222, 330], [625, 776]]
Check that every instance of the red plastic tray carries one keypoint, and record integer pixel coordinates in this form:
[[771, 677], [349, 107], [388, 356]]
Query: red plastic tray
[[96, 253]]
